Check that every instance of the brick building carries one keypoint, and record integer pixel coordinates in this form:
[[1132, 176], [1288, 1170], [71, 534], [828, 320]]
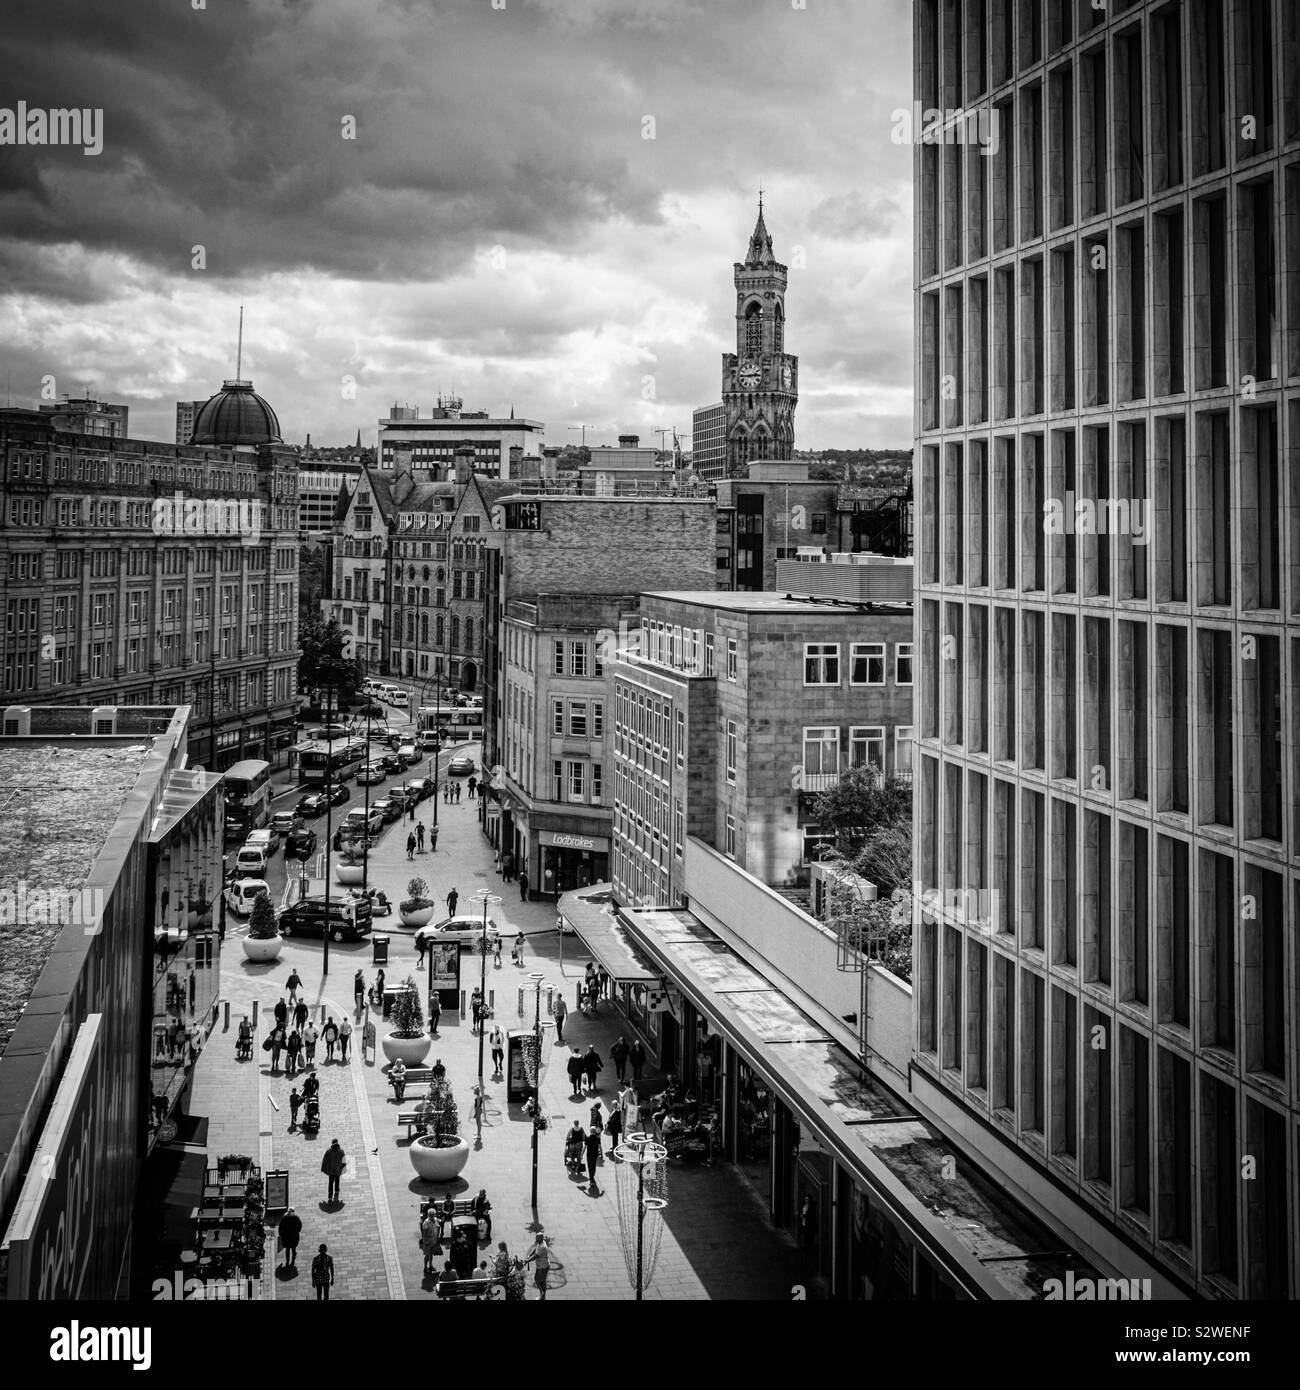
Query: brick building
[[1107, 620]]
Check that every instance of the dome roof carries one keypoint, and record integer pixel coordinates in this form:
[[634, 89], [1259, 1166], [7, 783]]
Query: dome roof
[[236, 415]]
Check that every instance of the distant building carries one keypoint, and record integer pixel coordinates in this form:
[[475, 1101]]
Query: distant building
[[709, 441], [432, 441], [186, 414], [82, 415], [320, 496]]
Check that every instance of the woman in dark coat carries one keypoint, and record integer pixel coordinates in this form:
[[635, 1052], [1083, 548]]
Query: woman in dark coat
[[575, 1073], [593, 1154], [290, 1232], [614, 1128]]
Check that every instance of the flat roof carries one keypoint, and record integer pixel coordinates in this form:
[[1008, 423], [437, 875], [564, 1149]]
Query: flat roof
[[59, 800], [992, 1244], [771, 601], [590, 912]]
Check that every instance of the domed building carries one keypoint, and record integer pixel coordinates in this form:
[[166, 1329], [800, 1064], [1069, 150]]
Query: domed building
[[236, 415]]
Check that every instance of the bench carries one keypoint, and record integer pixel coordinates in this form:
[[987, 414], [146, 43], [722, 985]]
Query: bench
[[416, 1076], [471, 1288], [409, 1118]]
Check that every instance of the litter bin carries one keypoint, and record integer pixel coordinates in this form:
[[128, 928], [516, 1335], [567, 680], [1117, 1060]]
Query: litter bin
[[380, 945]]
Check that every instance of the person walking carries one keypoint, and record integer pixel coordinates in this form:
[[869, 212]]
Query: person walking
[[636, 1055], [429, 1242], [330, 1036], [523, 886], [481, 1210], [433, 839], [277, 1046], [310, 1037], [410, 845], [519, 948], [598, 1122], [618, 1055], [421, 946], [497, 1042], [629, 1108], [473, 785], [496, 953], [293, 985], [345, 1037], [292, 1049], [379, 988], [281, 1013], [332, 1166], [575, 1074], [592, 1145], [480, 1105], [301, 1013], [290, 1232], [452, 899], [561, 1012], [614, 1128], [435, 1013], [359, 992], [295, 1104], [592, 1064], [540, 1257], [322, 1274], [419, 836]]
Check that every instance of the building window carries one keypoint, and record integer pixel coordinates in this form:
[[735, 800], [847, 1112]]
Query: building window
[[679, 821], [902, 663], [821, 757], [557, 780], [731, 837], [597, 781], [903, 750], [577, 781], [557, 660], [821, 663], [557, 717], [577, 658], [731, 658], [867, 746], [679, 737], [868, 664], [708, 654], [577, 719], [732, 744]]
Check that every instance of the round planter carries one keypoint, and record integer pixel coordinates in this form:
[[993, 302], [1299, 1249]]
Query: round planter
[[259, 952], [410, 1052], [419, 917], [438, 1165], [349, 874]]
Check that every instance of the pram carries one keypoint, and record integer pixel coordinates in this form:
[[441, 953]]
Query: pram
[[574, 1151], [311, 1115], [243, 1048]]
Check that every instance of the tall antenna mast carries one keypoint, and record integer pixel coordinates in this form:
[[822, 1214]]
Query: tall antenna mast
[[239, 359]]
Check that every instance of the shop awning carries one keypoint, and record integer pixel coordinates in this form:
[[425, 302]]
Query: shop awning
[[590, 912]]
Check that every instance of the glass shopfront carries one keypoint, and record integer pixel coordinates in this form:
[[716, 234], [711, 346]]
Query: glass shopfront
[[754, 1112], [569, 861]]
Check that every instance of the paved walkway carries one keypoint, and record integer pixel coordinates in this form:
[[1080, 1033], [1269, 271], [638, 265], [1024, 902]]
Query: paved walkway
[[716, 1242]]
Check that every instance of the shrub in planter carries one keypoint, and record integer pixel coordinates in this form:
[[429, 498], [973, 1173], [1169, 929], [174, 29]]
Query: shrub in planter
[[418, 908], [351, 867], [407, 1040], [263, 941], [439, 1154]]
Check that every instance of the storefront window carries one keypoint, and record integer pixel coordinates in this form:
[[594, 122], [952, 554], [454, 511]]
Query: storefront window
[[754, 1130]]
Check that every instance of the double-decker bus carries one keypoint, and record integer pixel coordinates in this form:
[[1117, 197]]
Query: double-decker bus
[[248, 796], [339, 760]]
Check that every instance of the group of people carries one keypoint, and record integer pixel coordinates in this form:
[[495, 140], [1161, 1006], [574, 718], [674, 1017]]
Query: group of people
[[415, 839], [451, 791], [583, 1069], [297, 1038], [322, 1265]]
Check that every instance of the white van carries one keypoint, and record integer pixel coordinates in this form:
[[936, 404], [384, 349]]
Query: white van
[[242, 892], [251, 860], [399, 698]]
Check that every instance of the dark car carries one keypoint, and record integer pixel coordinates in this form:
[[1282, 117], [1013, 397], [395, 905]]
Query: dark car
[[349, 919], [421, 787], [390, 807], [310, 805], [460, 767], [338, 794], [392, 763], [301, 843]]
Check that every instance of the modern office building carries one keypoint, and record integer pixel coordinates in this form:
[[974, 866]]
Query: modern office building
[[320, 494], [142, 573], [709, 441], [1108, 619], [186, 413], [732, 712], [430, 442]]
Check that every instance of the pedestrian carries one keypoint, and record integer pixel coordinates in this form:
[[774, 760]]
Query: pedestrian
[[332, 1166], [433, 839], [330, 1036], [628, 1108], [421, 946], [497, 1041], [429, 1242], [519, 948], [636, 1055], [477, 1009], [540, 1257], [508, 866], [597, 1121], [322, 1274], [496, 953], [295, 1104], [592, 1145], [281, 1013], [435, 1013], [479, 1107], [575, 1074], [618, 1055], [590, 981], [592, 1064], [462, 1254], [379, 986], [561, 1012], [309, 1039], [614, 1128], [458, 793], [292, 1048], [359, 991], [452, 899], [277, 1046], [523, 886], [419, 836], [481, 1210], [300, 1014], [473, 784], [410, 845], [290, 1230], [345, 1037], [293, 985]]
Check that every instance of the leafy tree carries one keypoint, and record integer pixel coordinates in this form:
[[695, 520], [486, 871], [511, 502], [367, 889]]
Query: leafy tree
[[261, 925], [323, 662], [860, 803], [407, 1013]]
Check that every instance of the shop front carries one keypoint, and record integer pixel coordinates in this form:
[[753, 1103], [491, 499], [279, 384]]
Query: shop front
[[569, 859]]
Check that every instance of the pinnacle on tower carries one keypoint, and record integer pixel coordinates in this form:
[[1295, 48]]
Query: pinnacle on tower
[[760, 242]]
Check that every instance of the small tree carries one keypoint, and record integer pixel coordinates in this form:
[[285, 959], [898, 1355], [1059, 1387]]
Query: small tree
[[408, 1016], [860, 803], [441, 1115], [261, 926], [419, 896], [353, 849]]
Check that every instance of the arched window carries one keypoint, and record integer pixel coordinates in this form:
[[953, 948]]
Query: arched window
[[759, 445], [778, 329], [754, 330], [455, 632]]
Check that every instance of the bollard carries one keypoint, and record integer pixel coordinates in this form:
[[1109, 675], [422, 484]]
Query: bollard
[[462, 1001], [322, 1015], [255, 1015], [226, 1029], [492, 1000]]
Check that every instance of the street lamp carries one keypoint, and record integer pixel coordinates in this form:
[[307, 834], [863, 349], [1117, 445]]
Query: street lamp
[[484, 897], [643, 1156], [536, 982]]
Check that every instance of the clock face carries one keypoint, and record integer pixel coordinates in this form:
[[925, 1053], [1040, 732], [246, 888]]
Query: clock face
[[787, 375], [750, 374]]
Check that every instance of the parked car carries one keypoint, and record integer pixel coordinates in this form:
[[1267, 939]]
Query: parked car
[[358, 819], [250, 861], [338, 794], [301, 843], [389, 807], [390, 762], [241, 894], [285, 821], [466, 930], [460, 767], [372, 775], [311, 805], [419, 787], [348, 918], [268, 839]]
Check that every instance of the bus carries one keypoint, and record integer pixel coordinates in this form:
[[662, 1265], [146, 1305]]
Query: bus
[[455, 725], [248, 796], [340, 760]]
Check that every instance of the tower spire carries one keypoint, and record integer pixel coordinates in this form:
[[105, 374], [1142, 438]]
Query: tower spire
[[239, 356]]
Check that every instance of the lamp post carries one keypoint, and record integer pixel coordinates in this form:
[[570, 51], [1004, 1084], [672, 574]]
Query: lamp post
[[640, 1152], [536, 982], [484, 897], [329, 807]]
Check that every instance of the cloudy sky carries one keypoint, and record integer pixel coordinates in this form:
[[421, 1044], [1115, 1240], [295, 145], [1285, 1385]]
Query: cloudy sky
[[501, 222]]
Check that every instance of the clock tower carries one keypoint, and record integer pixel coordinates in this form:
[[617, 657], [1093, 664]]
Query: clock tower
[[760, 380]]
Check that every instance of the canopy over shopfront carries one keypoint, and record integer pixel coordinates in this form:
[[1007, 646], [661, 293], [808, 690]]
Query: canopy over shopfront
[[590, 912]]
